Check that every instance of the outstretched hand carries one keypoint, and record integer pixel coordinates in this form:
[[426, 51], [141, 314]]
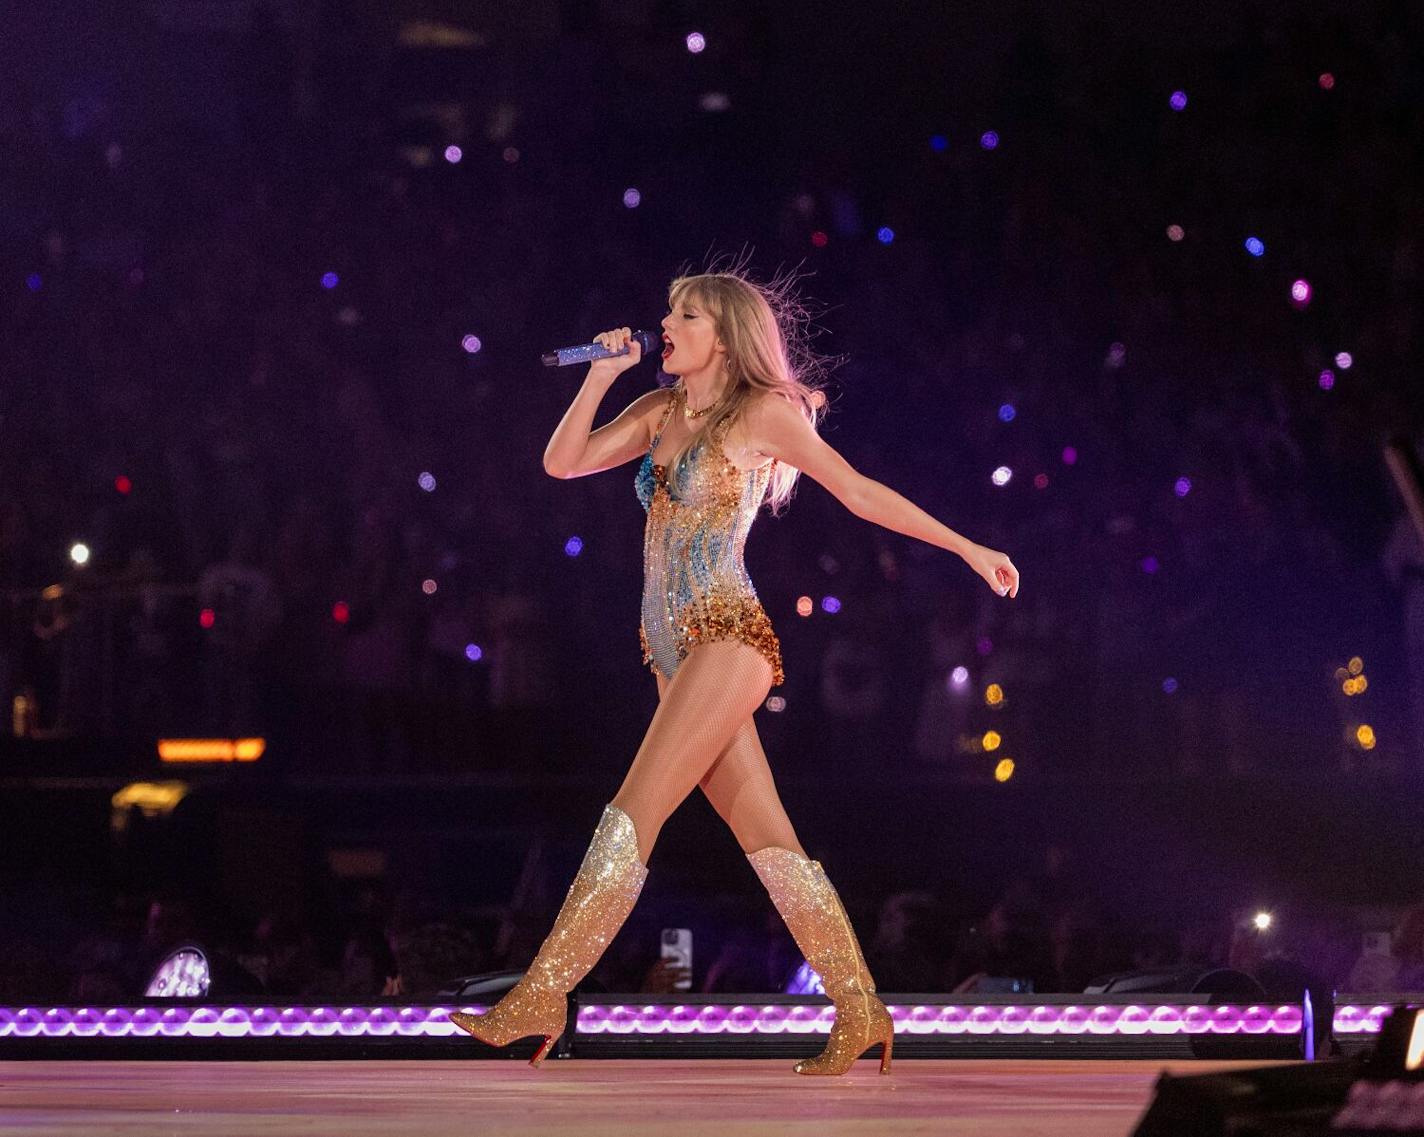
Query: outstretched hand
[[995, 567]]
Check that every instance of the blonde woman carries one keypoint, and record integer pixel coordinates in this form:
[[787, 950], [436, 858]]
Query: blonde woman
[[733, 432]]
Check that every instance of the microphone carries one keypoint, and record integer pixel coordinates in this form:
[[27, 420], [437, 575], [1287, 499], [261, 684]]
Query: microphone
[[588, 352]]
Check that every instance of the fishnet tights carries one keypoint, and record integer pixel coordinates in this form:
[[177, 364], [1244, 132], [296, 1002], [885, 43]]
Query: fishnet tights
[[703, 734]]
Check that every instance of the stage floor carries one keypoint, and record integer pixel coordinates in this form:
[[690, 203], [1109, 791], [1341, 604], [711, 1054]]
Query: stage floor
[[581, 1098]]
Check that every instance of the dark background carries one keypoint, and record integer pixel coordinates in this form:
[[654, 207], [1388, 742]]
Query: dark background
[[240, 445]]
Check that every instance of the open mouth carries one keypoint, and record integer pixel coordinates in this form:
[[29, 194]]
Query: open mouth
[[667, 350]]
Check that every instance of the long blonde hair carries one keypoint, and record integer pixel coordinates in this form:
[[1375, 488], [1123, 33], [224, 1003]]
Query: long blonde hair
[[763, 327]]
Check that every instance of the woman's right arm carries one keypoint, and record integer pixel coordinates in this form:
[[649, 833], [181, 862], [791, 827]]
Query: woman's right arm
[[573, 451]]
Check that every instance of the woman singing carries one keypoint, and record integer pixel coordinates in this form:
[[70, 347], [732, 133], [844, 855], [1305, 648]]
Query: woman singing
[[733, 432]]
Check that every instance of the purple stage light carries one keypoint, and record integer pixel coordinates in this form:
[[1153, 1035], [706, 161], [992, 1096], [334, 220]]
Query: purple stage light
[[1182, 487], [1178, 100], [473, 653], [632, 198], [1070, 455], [830, 604], [573, 546], [33, 282], [1007, 413], [989, 139], [453, 154], [885, 234], [1327, 379], [939, 143], [329, 280]]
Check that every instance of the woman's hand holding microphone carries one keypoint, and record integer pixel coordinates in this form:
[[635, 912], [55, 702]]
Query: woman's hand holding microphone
[[609, 369]]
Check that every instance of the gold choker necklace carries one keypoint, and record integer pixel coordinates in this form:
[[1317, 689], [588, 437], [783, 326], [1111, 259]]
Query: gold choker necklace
[[687, 412]]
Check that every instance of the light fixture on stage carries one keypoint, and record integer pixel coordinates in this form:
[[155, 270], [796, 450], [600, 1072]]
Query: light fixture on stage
[[183, 974], [190, 972]]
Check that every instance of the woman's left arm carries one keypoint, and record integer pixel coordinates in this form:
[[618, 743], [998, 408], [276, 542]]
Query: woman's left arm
[[780, 431]]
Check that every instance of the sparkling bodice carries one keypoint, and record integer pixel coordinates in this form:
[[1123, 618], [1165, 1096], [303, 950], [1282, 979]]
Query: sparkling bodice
[[695, 582]]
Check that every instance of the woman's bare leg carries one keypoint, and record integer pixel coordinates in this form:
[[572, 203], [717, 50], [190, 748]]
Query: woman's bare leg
[[717, 687], [742, 791]]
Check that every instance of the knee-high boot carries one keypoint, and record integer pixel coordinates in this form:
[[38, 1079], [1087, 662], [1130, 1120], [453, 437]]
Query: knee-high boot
[[602, 894], [812, 909]]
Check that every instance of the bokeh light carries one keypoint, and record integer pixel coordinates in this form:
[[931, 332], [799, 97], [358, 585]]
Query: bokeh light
[[1327, 379], [1255, 246], [510, 154], [1344, 360], [79, 553], [1365, 736], [1178, 101], [993, 694], [1182, 487], [473, 653], [1007, 413], [33, 282], [830, 604], [1175, 232], [1004, 770], [1169, 685], [1327, 81], [330, 280], [805, 606], [1356, 665], [696, 42], [123, 484], [1070, 455], [429, 587], [1262, 920], [341, 612], [573, 546], [775, 704], [959, 677], [471, 344], [1300, 293], [1040, 481], [426, 481], [991, 740], [1150, 564], [453, 154], [207, 618], [885, 234], [1001, 476], [989, 139], [632, 198], [714, 101], [819, 238], [939, 143]]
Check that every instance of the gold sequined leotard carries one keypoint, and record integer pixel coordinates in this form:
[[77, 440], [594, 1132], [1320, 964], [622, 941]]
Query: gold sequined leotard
[[695, 584]]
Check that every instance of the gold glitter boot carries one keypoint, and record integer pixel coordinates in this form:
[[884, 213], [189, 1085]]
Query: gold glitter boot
[[602, 894], [809, 904]]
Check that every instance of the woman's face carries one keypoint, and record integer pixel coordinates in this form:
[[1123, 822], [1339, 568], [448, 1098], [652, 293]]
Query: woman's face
[[689, 330]]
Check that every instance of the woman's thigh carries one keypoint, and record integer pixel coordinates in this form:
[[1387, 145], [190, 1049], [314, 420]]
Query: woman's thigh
[[716, 688]]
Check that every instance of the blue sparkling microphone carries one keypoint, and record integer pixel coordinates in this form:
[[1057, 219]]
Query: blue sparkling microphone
[[588, 352]]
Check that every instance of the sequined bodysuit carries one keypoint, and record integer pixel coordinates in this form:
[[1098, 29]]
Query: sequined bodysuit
[[695, 584]]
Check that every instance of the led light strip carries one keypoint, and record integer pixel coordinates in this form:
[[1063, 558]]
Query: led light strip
[[619, 1018]]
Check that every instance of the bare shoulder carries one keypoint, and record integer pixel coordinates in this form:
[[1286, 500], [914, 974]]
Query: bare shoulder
[[648, 408], [768, 415]]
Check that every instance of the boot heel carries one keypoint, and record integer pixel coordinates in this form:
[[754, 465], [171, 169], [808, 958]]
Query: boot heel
[[543, 1049], [885, 1053]]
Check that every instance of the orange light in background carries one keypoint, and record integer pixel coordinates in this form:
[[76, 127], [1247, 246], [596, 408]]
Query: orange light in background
[[1004, 770], [991, 740], [1365, 736], [211, 749], [1356, 665], [994, 694], [804, 606]]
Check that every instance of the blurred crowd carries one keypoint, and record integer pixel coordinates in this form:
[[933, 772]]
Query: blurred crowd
[[239, 369], [277, 371]]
